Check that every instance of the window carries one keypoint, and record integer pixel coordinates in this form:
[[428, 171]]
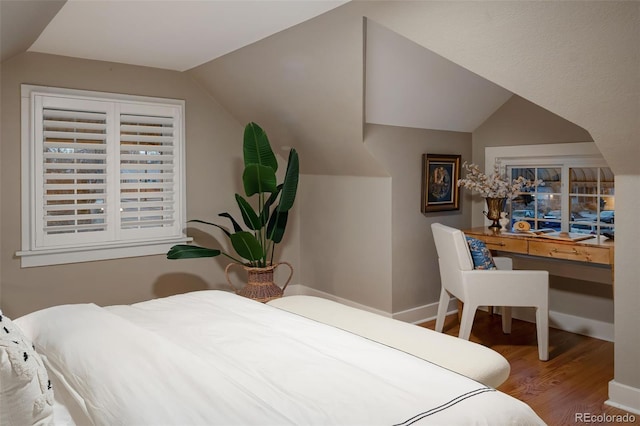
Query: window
[[103, 175], [578, 195], [591, 200]]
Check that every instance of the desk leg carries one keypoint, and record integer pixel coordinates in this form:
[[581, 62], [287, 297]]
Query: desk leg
[[613, 274], [460, 307]]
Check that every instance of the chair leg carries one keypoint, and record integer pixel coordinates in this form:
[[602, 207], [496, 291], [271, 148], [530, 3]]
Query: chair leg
[[506, 319], [542, 326], [468, 313], [442, 310]]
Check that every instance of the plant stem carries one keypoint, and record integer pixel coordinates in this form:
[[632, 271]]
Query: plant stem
[[263, 231], [233, 258], [273, 250]]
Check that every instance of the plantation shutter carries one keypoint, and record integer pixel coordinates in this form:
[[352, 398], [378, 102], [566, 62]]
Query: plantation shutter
[[73, 147], [147, 170], [102, 175]]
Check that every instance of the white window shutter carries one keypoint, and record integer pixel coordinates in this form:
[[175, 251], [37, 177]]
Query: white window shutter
[[102, 175], [73, 147], [148, 168]]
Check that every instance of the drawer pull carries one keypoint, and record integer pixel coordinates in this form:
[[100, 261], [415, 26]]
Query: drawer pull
[[573, 251], [500, 244]]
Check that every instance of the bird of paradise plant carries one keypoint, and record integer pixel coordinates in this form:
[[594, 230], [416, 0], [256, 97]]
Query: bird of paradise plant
[[265, 226]]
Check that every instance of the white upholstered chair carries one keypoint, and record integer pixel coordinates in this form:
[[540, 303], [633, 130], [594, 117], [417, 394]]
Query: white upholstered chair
[[497, 287]]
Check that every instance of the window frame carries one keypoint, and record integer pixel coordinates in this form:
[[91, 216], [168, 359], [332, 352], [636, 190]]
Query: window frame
[[33, 252], [564, 156]]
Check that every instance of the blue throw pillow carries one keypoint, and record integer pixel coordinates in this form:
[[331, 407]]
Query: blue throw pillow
[[480, 254]]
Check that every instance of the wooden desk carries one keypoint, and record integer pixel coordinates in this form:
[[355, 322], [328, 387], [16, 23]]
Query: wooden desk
[[597, 250]]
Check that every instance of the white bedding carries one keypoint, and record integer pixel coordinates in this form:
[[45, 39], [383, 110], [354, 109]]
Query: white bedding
[[214, 358]]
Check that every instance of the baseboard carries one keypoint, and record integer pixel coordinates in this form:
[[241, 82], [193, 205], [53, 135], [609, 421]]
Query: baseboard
[[625, 397], [571, 323], [415, 315], [585, 326], [424, 313], [299, 289]]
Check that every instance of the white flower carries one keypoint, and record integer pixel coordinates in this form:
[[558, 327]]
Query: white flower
[[494, 185]]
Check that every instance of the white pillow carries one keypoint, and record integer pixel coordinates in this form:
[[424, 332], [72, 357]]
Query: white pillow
[[26, 396]]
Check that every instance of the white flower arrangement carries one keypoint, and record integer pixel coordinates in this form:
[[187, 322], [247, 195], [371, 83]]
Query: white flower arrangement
[[494, 185]]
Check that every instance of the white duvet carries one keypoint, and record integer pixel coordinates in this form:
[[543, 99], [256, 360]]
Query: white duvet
[[214, 358]]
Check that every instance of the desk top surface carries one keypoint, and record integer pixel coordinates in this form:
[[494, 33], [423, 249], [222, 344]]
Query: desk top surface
[[572, 238]]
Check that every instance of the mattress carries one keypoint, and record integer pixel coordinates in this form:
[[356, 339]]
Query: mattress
[[214, 358]]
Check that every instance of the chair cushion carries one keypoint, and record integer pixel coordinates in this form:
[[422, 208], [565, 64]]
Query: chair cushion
[[480, 254]]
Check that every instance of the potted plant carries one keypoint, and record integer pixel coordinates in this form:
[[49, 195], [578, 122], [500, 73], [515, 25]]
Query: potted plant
[[265, 224]]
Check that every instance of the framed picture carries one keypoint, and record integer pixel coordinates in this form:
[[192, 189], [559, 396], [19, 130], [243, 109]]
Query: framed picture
[[440, 174]]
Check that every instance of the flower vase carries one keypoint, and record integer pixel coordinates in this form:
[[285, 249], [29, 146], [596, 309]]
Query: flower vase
[[494, 207]]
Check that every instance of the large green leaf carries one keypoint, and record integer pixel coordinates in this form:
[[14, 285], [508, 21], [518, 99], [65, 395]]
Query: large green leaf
[[290, 184], [277, 226], [248, 214], [256, 147], [214, 224], [184, 251], [258, 179], [236, 225], [247, 246]]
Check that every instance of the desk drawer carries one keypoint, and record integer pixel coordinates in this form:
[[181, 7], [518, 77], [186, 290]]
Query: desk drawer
[[581, 253], [512, 245]]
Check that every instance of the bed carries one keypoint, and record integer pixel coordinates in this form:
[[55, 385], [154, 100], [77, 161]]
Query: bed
[[215, 358]]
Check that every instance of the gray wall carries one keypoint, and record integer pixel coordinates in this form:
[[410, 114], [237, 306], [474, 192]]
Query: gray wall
[[365, 239], [415, 274], [346, 238]]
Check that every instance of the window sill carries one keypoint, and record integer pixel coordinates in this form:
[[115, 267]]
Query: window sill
[[61, 256]]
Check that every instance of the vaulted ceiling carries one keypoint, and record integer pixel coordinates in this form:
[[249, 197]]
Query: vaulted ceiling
[[176, 35], [407, 85]]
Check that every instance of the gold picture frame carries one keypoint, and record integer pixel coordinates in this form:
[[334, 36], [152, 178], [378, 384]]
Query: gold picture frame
[[440, 174]]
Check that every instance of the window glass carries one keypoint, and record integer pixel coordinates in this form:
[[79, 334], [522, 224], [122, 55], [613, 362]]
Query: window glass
[[523, 207], [550, 197], [592, 202], [586, 206], [552, 177], [608, 205], [540, 206], [551, 211]]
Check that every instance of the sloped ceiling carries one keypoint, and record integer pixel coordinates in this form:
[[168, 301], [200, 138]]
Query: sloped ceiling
[[176, 35], [406, 84], [21, 23], [305, 86], [579, 60]]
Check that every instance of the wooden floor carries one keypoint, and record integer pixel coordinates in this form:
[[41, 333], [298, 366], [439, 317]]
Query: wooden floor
[[573, 381]]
